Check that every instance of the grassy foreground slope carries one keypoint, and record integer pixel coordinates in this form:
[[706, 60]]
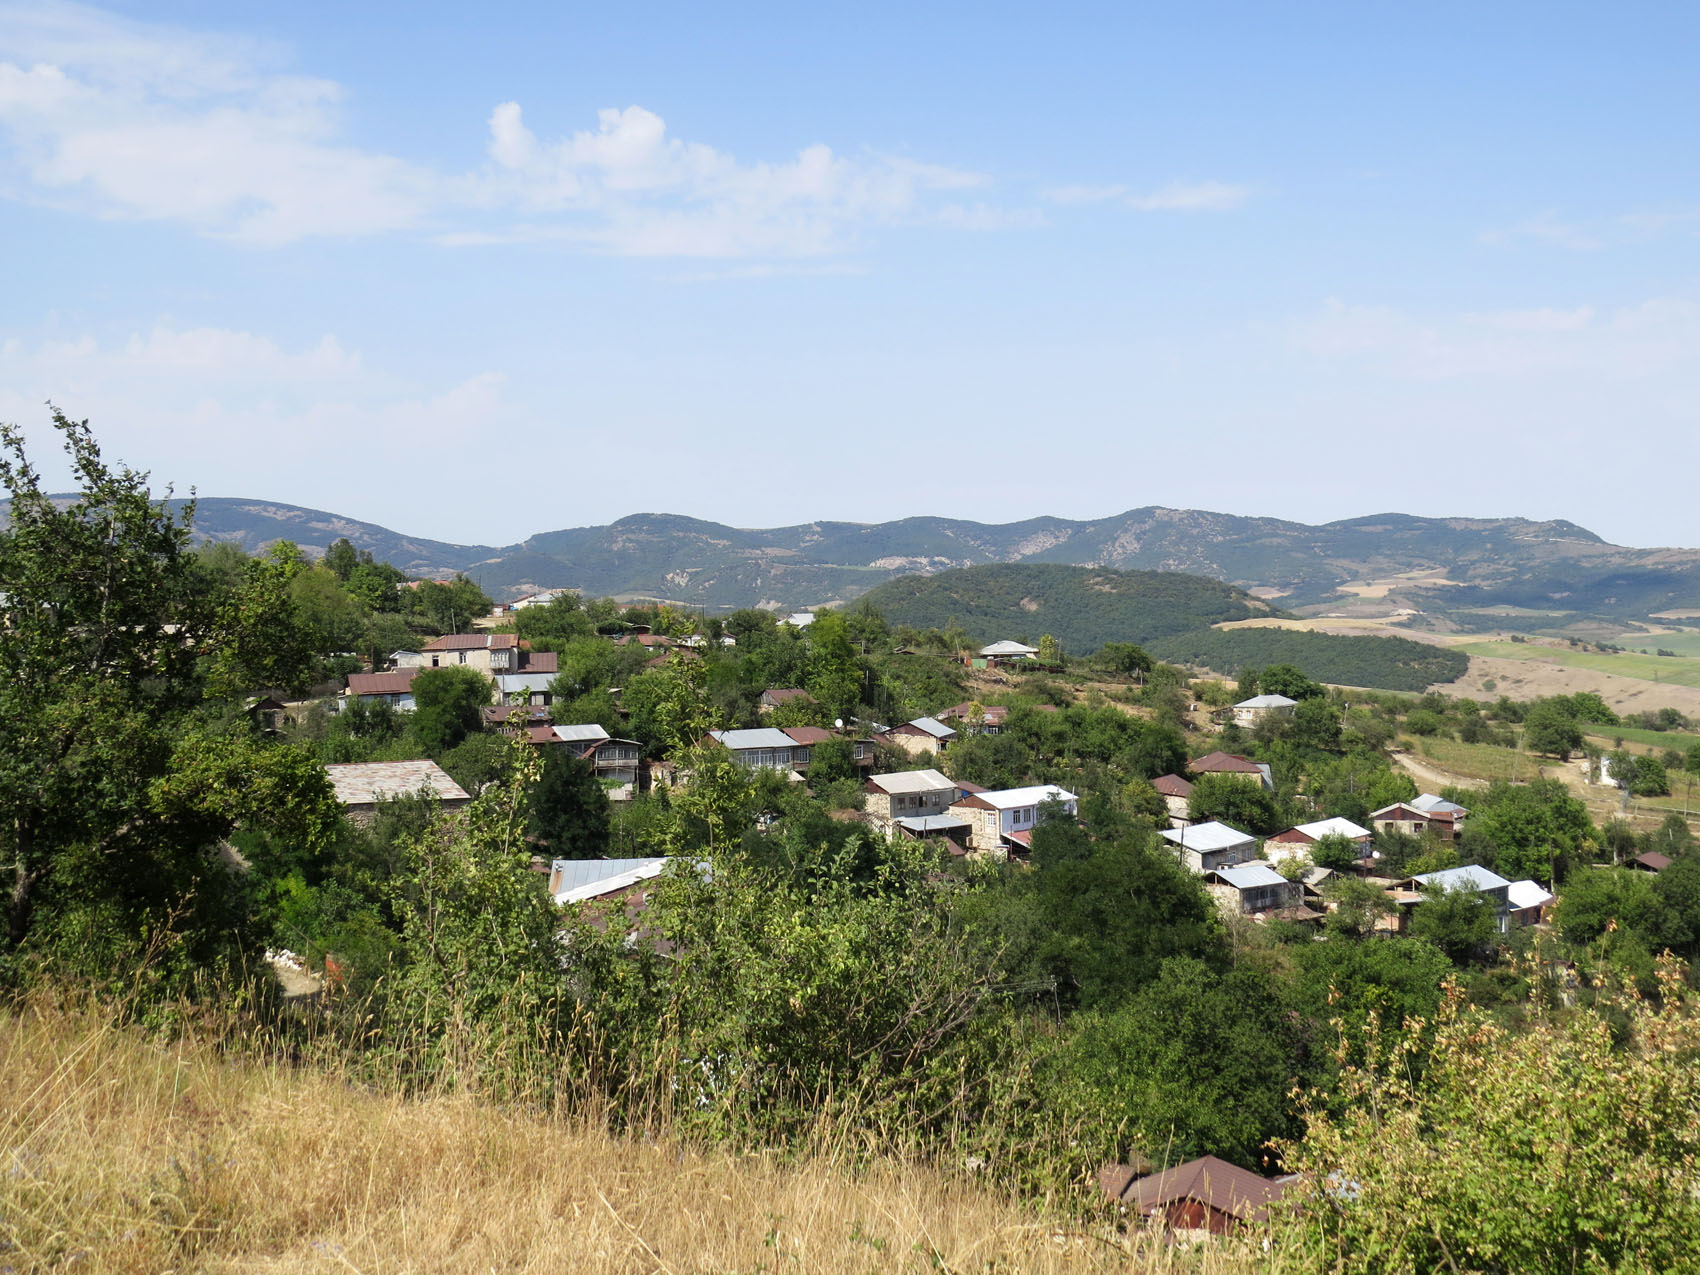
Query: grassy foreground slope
[[1084, 607], [126, 1154]]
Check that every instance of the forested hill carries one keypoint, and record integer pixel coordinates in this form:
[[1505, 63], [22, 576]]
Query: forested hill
[[1459, 566], [1381, 663], [1083, 607]]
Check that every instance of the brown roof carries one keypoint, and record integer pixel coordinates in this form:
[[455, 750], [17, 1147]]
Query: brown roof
[[784, 695], [396, 683], [1225, 1187], [538, 662], [643, 639], [809, 734], [472, 642], [1172, 786], [1293, 836], [1219, 763], [496, 714], [1653, 861], [969, 789]]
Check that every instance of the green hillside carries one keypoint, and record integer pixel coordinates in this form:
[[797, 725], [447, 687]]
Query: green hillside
[[1083, 607], [1382, 663]]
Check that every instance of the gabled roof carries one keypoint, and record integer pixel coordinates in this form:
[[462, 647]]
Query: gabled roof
[[1172, 786], [785, 694], [1017, 798], [930, 726], [1219, 763], [760, 737], [1335, 827], [1404, 811], [912, 781], [1247, 876], [1527, 894], [1208, 836], [397, 683], [1225, 1187], [472, 642], [581, 733], [360, 783], [1438, 805], [807, 735], [1267, 701], [1007, 647], [1653, 861], [1470, 877]]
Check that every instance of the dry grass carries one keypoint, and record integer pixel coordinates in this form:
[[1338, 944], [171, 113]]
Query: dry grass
[[119, 1152]]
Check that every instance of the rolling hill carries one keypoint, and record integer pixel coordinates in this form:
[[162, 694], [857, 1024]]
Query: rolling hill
[[1460, 573], [1083, 607]]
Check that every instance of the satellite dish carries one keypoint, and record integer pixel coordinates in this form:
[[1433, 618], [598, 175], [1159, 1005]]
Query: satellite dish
[[838, 722]]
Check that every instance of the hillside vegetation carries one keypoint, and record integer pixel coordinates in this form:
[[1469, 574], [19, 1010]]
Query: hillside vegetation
[[1382, 663], [1083, 607]]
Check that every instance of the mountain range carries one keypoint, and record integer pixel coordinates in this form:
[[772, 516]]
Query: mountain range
[[1465, 570]]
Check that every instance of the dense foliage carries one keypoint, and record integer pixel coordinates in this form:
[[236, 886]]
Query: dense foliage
[[1382, 663]]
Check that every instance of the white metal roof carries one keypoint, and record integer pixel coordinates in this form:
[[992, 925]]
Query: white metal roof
[[759, 737], [932, 823], [1015, 798], [1208, 836], [1007, 647], [913, 781], [1335, 827], [1249, 876], [581, 879], [1267, 701], [1429, 802], [1470, 877], [524, 681], [583, 733], [933, 727], [1528, 894]]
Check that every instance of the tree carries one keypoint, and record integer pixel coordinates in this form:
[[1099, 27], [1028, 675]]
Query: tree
[[1548, 729], [1530, 827], [1236, 800], [1284, 679], [113, 795], [451, 606], [1460, 922], [835, 674], [1356, 906], [1316, 724], [1126, 658], [446, 703], [569, 807], [1050, 650], [1335, 851]]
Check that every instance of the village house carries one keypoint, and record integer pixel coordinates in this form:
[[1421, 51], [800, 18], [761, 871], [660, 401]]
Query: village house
[[1295, 843], [1651, 861], [1005, 652], [1407, 818], [394, 689], [1527, 903], [1205, 847], [1220, 763], [622, 880], [1252, 889], [908, 794], [1205, 1195], [923, 735], [1249, 712], [361, 785], [489, 653], [1004, 819], [1495, 888], [1176, 793], [981, 719]]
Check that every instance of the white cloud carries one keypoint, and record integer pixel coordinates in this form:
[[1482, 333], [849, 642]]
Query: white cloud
[[122, 119], [1545, 228], [1192, 197], [1651, 338]]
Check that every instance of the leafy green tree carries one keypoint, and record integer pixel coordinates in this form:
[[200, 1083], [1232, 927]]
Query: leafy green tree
[[561, 619], [112, 796], [1548, 729], [1126, 658], [1530, 827], [1586, 706], [1461, 922], [1197, 1063], [1356, 906], [1241, 802], [1284, 679], [569, 807], [1336, 851], [450, 606], [1316, 724], [835, 674], [992, 761], [446, 703], [831, 760]]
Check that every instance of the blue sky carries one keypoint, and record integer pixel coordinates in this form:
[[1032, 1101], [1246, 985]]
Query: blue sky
[[476, 275]]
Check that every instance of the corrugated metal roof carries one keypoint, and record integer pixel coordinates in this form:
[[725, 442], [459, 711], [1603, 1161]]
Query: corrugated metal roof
[[1528, 894], [913, 781], [1267, 701], [581, 733], [398, 682], [1429, 802], [1335, 827], [472, 642], [1007, 647], [1470, 877], [581, 879], [760, 737], [1015, 798], [932, 823], [360, 783], [932, 726], [1208, 836], [1248, 876], [1224, 763], [1172, 786]]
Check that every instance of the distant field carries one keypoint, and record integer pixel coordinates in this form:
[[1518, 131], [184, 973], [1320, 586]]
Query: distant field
[[1680, 740], [1476, 761], [1687, 642], [1681, 670]]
